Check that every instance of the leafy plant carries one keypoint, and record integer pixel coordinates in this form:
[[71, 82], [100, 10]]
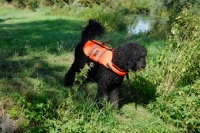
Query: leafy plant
[[31, 4], [180, 107], [182, 66], [179, 69], [107, 16], [14, 112], [20, 3], [165, 13]]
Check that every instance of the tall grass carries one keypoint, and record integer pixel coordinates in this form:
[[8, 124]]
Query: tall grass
[[102, 13]]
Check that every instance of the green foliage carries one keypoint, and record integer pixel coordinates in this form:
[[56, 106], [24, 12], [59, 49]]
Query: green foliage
[[14, 112], [179, 75], [31, 4], [182, 66], [166, 11], [20, 3], [69, 1], [87, 3], [100, 13], [178, 5], [48, 2], [36, 112], [125, 6], [2, 1], [107, 17], [180, 107]]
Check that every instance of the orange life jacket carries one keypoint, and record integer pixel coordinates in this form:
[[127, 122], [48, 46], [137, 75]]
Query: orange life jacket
[[102, 54]]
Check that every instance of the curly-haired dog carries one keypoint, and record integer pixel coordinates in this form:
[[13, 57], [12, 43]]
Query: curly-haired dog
[[130, 56]]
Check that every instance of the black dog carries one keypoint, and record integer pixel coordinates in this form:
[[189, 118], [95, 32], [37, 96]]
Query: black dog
[[130, 56]]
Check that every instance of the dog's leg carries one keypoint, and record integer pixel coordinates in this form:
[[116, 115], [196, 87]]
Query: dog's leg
[[114, 96], [76, 67], [92, 73], [101, 93]]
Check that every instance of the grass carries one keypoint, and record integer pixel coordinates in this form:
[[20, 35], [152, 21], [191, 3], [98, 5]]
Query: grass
[[36, 50]]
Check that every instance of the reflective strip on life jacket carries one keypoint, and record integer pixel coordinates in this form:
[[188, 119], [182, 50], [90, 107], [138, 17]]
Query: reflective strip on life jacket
[[102, 54]]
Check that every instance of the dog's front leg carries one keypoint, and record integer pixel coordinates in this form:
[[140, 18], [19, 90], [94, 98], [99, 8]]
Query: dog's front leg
[[76, 67], [92, 73]]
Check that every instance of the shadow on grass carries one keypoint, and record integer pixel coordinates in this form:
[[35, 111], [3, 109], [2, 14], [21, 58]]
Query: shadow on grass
[[39, 35], [31, 77], [23, 38], [144, 92]]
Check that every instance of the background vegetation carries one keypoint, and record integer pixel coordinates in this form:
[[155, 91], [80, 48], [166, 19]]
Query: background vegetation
[[36, 49]]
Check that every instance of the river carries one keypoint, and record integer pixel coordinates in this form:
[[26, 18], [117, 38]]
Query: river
[[143, 24]]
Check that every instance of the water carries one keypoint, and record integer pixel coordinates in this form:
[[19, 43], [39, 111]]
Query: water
[[143, 24]]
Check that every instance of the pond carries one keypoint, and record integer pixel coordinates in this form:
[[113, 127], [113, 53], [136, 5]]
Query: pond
[[143, 24]]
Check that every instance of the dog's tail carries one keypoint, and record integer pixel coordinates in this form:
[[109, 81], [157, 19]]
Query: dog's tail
[[92, 30]]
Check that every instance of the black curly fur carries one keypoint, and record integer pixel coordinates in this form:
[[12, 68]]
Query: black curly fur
[[130, 56]]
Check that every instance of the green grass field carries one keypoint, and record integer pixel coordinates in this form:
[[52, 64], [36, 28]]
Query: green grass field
[[36, 50]]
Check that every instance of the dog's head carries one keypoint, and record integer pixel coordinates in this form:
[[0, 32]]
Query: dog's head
[[130, 56]]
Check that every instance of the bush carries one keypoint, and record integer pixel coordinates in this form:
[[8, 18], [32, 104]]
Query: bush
[[30, 4], [125, 6], [166, 11], [20, 3], [33, 4], [181, 107], [181, 67], [48, 2], [179, 75], [112, 19]]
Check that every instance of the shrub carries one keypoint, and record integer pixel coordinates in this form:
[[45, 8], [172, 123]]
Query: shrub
[[48, 2], [166, 11], [69, 1], [20, 3], [33, 4], [112, 19], [179, 75], [180, 107], [90, 3], [182, 66]]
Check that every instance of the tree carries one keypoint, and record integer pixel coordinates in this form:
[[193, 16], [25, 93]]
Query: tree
[[166, 12]]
